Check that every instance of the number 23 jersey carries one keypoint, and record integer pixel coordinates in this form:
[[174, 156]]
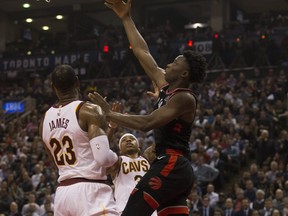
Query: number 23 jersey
[[69, 144]]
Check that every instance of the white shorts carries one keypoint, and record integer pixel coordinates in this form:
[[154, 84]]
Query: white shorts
[[85, 199]]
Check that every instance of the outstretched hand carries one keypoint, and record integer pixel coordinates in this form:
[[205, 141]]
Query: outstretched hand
[[154, 94], [99, 100], [116, 107], [121, 8]]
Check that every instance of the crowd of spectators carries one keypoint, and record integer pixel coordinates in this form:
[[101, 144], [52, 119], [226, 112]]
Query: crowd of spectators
[[241, 120], [237, 44]]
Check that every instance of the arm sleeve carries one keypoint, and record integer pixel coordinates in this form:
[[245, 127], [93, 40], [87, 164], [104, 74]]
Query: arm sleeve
[[102, 153]]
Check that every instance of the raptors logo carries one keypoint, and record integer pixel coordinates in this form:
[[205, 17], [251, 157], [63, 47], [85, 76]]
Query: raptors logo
[[178, 128], [155, 183]]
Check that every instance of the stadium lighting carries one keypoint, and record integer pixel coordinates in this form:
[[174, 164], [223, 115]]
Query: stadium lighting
[[45, 28], [26, 5], [29, 20], [59, 17], [195, 25], [29, 52]]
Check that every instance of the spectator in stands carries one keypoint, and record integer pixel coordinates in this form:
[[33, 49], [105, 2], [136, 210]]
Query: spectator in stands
[[279, 182], [16, 193], [278, 202], [47, 206], [194, 161], [218, 212], [268, 208], [264, 121], [254, 173], [285, 209], [237, 203], [205, 173], [3, 170], [263, 183], [272, 173], [31, 208], [194, 146], [206, 209], [194, 201], [228, 209], [250, 190], [259, 202], [282, 145], [211, 149], [26, 183], [232, 151], [276, 212], [14, 211], [245, 177], [217, 163], [36, 176], [5, 197], [202, 153], [264, 147], [245, 210], [213, 196]]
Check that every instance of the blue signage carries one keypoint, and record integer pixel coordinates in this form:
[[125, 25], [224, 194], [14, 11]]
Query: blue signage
[[13, 107]]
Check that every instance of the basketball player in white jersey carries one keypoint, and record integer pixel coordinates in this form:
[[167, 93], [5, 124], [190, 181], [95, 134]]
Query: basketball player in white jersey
[[75, 139], [130, 169]]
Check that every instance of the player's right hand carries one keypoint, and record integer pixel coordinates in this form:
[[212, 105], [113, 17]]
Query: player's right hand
[[121, 8], [99, 100]]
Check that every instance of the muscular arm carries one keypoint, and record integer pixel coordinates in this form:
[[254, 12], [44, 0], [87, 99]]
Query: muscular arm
[[95, 125], [142, 53], [181, 105], [139, 45], [88, 121]]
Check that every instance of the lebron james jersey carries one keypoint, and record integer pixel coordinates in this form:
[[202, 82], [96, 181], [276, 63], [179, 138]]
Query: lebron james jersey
[[69, 144]]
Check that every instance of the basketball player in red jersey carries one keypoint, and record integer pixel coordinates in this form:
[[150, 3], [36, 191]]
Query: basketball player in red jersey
[[169, 180]]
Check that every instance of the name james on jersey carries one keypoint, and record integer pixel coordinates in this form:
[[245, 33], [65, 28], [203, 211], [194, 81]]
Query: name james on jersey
[[58, 123]]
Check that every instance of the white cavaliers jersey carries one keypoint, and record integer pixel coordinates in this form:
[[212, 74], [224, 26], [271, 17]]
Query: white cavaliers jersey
[[131, 171], [69, 144]]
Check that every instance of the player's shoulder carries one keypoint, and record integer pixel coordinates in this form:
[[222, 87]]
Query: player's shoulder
[[89, 107], [184, 97]]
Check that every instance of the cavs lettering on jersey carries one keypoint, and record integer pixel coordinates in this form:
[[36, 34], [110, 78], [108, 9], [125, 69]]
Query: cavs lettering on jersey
[[131, 171], [69, 144]]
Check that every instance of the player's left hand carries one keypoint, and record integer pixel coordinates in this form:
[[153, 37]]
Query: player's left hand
[[99, 100], [116, 107], [154, 94]]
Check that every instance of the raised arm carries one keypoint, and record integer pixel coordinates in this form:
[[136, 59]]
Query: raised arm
[[139, 45]]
